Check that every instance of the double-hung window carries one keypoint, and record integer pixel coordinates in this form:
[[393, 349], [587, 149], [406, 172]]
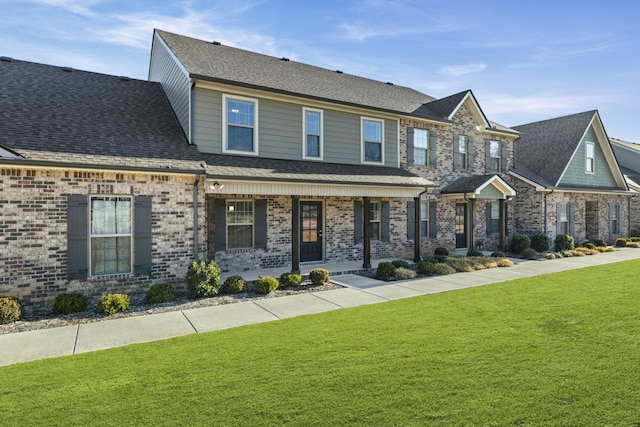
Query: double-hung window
[[493, 218], [240, 127], [461, 152], [494, 156], [239, 224], [421, 147], [110, 235], [563, 218], [614, 218], [589, 166], [376, 215], [312, 143], [424, 218], [372, 141]]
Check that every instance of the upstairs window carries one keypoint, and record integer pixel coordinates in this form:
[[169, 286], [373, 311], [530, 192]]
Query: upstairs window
[[421, 147], [460, 152], [240, 128], [590, 161], [110, 235], [494, 156], [239, 224], [372, 141], [312, 144]]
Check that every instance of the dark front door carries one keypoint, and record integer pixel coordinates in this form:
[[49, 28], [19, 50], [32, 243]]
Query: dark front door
[[310, 231], [461, 225]]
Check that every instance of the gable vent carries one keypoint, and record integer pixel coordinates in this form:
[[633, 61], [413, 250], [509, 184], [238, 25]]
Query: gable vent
[[284, 59], [338, 71], [215, 43], [6, 59]]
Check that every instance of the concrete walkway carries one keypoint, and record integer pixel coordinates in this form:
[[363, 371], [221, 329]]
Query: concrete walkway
[[68, 340]]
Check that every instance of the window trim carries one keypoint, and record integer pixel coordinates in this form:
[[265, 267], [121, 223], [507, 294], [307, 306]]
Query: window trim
[[465, 163], [91, 236], [499, 157], [362, 140], [378, 221], [306, 156], [427, 149], [564, 208], [230, 224], [225, 125], [425, 211], [589, 161]]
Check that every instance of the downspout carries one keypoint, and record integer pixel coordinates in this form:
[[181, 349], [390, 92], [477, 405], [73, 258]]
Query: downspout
[[417, 257], [196, 243]]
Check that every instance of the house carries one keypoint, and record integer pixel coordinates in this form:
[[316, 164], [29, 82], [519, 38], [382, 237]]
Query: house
[[568, 180], [628, 155], [99, 189]]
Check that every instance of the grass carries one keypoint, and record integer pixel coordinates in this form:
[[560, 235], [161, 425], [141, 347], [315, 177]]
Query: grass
[[559, 349]]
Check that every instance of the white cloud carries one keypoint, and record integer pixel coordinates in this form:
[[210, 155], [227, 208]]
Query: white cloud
[[459, 70], [79, 7]]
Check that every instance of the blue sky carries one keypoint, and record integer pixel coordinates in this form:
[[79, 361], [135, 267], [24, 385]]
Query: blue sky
[[524, 60]]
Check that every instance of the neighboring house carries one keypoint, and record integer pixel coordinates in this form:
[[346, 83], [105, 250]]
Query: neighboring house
[[97, 184], [568, 180], [628, 155]]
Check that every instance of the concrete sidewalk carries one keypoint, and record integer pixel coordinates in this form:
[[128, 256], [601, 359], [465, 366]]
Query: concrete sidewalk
[[68, 340]]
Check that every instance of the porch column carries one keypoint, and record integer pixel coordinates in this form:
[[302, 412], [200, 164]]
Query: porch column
[[502, 223], [472, 227], [366, 233], [295, 234], [417, 257]]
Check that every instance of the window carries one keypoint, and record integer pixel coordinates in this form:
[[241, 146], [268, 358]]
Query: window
[[110, 235], [424, 218], [375, 220], [461, 152], [563, 218], [421, 147], [589, 166], [239, 224], [372, 141], [614, 218], [240, 115], [494, 156], [312, 144], [493, 218]]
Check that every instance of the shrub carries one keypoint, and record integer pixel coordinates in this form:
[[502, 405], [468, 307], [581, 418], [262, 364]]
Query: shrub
[[605, 249], [498, 254], [440, 251], [266, 284], [551, 255], [621, 242], [319, 276], [633, 245], [10, 310], [599, 242], [540, 242], [112, 303], [443, 269], [634, 239], [489, 262], [475, 253], [563, 242], [159, 293], [426, 267], [405, 273], [290, 279], [504, 262], [461, 264], [400, 263], [234, 285], [634, 233], [202, 278], [587, 251], [519, 243], [588, 245], [529, 253], [73, 302], [385, 270]]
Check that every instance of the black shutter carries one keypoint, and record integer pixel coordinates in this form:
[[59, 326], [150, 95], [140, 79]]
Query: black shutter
[[487, 155], [142, 235], [385, 221], [488, 218], [433, 148], [220, 218], [558, 223], [77, 252], [411, 218], [433, 219], [470, 154], [506, 219], [503, 156], [357, 223], [456, 153], [410, 159], [571, 219], [261, 224]]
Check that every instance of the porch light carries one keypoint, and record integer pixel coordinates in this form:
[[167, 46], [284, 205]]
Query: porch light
[[216, 186]]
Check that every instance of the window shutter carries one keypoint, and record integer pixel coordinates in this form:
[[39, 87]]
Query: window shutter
[[619, 208], [612, 230], [558, 232], [357, 216], [470, 153], [433, 148], [142, 233], [506, 219], [456, 156], [488, 215], [410, 160], [77, 252], [503, 156], [433, 219], [411, 220], [220, 218], [260, 224], [385, 221], [487, 155], [571, 220]]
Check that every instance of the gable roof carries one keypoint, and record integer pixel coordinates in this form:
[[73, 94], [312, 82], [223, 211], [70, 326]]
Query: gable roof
[[473, 185], [58, 115]]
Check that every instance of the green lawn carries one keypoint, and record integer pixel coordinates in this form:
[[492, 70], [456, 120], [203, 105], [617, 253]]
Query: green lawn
[[560, 349]]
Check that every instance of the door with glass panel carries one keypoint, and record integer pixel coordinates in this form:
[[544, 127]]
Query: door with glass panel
[[461, 225], [310, 231]]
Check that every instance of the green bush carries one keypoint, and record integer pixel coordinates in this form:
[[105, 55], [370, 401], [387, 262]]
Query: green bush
[[529, 253], [10, 310], [112, 303], [599, 243], [159, 293], [202, 278], [634, 233], [400, 263], [475, 253], [540, 242], [463, 265], [443, 269], [426, 267], [441, 251], [385, 270], [621, 242], [319, 276], [73, 302], [563, 242], [234, 285], [519, 243], [266, 284], [405, 273], [290, 279], [498, 254]]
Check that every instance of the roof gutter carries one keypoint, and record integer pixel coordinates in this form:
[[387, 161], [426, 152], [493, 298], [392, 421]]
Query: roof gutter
[[44, 164]]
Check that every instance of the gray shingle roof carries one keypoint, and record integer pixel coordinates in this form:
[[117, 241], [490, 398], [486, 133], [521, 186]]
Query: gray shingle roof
[[466, 184], [55, 114], [546, 147]]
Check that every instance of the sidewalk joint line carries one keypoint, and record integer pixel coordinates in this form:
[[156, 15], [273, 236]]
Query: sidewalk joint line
[[75, 340], [189, 320], [265, 309]]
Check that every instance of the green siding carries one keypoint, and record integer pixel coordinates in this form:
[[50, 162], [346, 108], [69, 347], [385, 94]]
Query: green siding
[[490, 192], [575, 173]]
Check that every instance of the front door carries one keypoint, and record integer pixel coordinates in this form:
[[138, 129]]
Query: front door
[[461, 225], [310, 231]]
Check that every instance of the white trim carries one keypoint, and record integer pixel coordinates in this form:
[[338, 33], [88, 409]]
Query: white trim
[[538, 187], [502, 186], [171, 54], [479, 112], [593, 157], [253, 223], [225, 125], [304, 134], [362, 141], [131, 234]]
